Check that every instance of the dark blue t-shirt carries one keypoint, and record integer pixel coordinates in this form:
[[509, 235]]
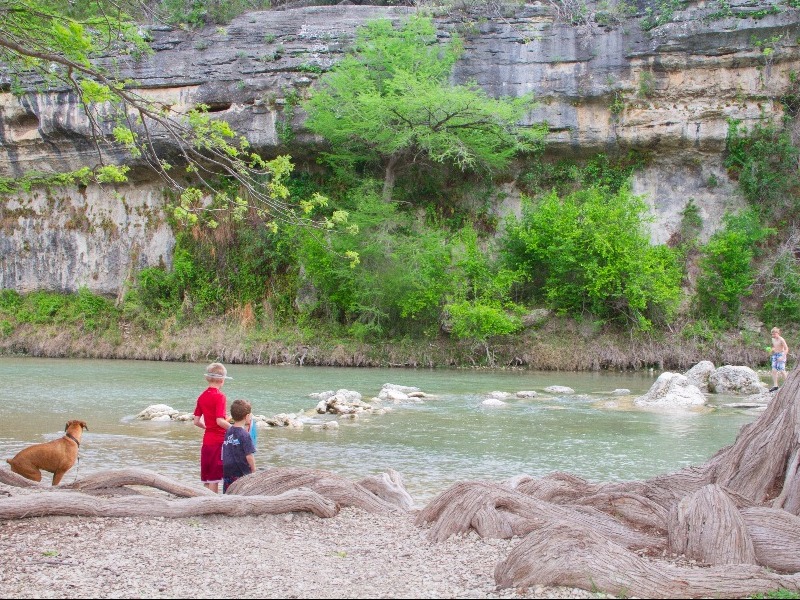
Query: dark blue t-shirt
[[235, 448]]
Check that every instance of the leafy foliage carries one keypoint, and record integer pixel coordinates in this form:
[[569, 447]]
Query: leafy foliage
[[727, 272], [54, 43], [782, 294], [84, 310], [241, 262], [765, 161], [565, 176], [203, 12], [480, 307], [588, 252], [390, 103], [401, 275]]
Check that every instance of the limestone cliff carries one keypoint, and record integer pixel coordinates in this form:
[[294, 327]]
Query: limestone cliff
[[667, 90]]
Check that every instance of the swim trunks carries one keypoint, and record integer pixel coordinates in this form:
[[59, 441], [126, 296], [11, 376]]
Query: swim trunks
[[779, 361]]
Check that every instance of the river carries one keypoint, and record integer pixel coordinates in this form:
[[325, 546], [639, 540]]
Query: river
[[446, 439]]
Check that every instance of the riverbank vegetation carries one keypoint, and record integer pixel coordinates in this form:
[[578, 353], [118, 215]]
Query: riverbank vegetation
[[415, 265]]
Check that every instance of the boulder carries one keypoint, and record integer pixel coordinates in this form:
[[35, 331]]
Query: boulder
[[392, 392], [559, 389], [735, 380], [500, 395], [621, 392], [526, 394], [158, 412], [290, 420], [698, 375], [672, 390]]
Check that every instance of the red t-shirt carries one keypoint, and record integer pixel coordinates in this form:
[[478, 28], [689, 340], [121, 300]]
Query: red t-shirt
[[211, 405]]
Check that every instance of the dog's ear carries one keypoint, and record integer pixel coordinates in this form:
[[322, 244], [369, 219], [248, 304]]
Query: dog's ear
[[84, 425], [66, 426]]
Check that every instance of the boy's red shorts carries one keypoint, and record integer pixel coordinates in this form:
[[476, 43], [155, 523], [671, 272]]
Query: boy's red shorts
[[211, 463]]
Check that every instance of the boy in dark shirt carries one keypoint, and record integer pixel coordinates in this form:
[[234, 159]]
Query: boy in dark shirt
[[238, 449]]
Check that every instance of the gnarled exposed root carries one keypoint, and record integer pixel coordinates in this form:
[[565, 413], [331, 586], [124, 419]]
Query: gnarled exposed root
[[498, 511], [134, 476], [77, 504], [562, 555], [335, 487]]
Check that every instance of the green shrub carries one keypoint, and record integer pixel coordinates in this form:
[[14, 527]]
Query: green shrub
[[782, 294], [83, 309], [10, 301], [764, 160], [589, 253], [474, 320], [402, 274], [777, 594], [204, 12], [727, 272]]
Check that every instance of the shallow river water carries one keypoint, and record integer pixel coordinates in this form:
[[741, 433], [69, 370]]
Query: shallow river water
[[433, 444]]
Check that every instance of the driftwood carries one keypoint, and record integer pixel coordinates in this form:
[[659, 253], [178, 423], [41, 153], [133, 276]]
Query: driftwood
[[561, 555], [335, 487], [739, 508], [77, 504]]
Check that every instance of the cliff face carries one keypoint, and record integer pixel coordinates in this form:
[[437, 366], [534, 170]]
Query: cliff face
[[668, 92]]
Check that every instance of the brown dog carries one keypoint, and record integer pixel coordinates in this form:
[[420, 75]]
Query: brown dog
[[57, 456]]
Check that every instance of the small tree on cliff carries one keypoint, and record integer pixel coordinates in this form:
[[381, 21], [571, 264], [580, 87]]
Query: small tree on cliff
[[391, 104], [56, 44]]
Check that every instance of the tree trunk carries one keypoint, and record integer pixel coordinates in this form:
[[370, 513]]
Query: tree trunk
[[8, 477], [389, 486], [389, 177], [724, 512], [776, 537]]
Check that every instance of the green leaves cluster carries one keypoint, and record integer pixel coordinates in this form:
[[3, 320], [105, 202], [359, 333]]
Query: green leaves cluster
[[727, 271], [390, 104], [55, 43], [764, 160], [589, 253], [83, 310]]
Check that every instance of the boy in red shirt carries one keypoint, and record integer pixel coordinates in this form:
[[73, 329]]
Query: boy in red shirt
[[210, 414]]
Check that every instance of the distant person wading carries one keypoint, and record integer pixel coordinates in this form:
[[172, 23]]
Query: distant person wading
[[780, 352]]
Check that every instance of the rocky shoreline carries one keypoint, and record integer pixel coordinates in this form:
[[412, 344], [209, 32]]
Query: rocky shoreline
[[295, 555]]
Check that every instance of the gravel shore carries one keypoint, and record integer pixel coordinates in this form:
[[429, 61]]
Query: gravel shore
[[294, 555]]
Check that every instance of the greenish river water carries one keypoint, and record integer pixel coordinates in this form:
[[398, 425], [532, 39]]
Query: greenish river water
[[433, 444]]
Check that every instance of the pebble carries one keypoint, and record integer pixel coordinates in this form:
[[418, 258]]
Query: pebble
[[353, 555]]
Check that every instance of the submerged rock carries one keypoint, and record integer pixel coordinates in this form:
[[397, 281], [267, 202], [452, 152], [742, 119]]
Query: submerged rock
[[493, 402], [559, 389]]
